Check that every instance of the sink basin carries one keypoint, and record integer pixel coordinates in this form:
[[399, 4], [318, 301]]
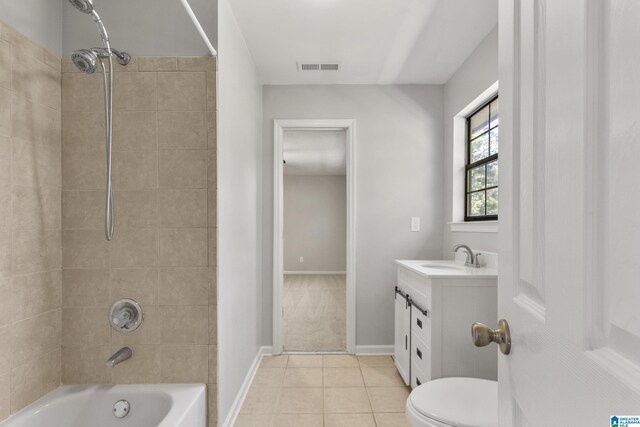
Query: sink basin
[[447, 269], [442, 266]]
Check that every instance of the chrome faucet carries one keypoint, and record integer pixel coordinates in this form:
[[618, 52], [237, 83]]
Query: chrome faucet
[[473, 260], [119, 356]]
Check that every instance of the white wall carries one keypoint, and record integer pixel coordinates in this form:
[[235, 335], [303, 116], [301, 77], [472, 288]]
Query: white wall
[[315, 222], [40, 20], [398, 175], [475, 76], [142, 27], [239, 172]]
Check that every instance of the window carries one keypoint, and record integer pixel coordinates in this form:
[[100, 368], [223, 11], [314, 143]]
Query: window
[[481, 183]]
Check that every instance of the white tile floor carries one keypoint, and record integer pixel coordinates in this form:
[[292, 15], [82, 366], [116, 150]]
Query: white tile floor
[[325, 391], [314, 313]]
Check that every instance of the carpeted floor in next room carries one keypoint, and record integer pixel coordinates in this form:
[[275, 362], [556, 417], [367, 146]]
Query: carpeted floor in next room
[[315, 311]]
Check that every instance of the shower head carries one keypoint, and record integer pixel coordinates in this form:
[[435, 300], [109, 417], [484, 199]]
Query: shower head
[[86, 60], [84, 6]]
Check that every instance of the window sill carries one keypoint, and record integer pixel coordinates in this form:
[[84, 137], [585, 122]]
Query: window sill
[[474, 227]]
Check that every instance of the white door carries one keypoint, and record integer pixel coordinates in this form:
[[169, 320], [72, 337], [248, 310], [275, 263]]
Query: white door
[[569, 282]]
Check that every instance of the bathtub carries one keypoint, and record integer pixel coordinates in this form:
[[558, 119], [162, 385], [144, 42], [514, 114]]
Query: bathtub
[[163, 405]]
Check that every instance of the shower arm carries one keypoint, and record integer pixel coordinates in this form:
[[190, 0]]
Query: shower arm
[[123, 58]]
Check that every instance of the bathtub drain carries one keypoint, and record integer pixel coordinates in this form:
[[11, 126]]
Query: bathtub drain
[[121, 409]]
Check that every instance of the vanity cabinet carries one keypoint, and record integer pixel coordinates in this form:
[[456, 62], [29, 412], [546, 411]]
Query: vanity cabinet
[[434, 311]]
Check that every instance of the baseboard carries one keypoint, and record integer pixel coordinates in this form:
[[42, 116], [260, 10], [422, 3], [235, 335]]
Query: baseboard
[[383, 350], [242, 393], [314, 353], [315, 273]]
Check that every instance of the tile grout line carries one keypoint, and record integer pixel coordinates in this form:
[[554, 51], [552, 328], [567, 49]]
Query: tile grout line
[[11, 245], [157, 194]]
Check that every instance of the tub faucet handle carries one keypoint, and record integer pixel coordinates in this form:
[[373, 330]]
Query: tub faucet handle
[[125, 315]]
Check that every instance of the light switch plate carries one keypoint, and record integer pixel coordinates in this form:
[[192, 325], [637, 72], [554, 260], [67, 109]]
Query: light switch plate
[[415, 223]]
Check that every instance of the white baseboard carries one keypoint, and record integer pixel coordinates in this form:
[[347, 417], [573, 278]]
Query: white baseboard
[[383, 350], [315, 273], [242, 393], [314, 353]]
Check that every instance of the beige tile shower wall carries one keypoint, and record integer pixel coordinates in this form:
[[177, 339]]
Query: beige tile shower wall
[[164, 191], [30, 251]]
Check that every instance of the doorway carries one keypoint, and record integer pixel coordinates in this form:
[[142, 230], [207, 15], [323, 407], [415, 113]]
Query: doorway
[[314, 274]]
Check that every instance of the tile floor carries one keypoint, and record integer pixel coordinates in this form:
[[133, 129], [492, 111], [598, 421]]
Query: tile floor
[[325, 391], [315, 312]]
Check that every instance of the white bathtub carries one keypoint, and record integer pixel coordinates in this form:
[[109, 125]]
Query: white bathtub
[[163, 405]]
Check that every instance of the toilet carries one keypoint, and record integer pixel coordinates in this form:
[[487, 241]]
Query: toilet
[[454, 402]]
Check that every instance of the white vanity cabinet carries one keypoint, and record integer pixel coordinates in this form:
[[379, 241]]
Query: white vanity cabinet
[[444, 301]]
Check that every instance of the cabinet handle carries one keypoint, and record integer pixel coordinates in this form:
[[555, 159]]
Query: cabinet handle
[[419, 322], [406, 347], [419, 353]]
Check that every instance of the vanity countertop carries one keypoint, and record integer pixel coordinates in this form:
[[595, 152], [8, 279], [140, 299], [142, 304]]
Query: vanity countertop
[[447, 270]]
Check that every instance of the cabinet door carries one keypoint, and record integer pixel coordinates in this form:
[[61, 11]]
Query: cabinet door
[[402, 337]]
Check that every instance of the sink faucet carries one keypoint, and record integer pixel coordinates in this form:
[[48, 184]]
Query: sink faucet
[[472, 260], [119, 356]]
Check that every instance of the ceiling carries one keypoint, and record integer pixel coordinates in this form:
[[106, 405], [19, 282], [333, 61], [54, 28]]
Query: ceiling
[[315, 152], [376, 41]]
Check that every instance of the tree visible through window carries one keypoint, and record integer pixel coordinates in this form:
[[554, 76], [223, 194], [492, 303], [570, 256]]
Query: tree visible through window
[[481, 184]]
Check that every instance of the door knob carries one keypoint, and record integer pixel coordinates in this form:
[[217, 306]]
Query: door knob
[[483, 335]]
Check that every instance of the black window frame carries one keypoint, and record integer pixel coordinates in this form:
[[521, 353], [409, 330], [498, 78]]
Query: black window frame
[[468, 166]]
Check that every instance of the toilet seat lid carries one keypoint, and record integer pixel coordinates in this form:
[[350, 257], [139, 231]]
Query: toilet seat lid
[[460, 402]]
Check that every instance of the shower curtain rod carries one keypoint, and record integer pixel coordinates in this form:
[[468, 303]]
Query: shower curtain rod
[[194, 18]]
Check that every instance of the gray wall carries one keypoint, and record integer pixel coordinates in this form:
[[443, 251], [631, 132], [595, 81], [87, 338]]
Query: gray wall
[[142, 27], [315, 222], [239, 164], [475, 76], [398, 175], [39, 20]]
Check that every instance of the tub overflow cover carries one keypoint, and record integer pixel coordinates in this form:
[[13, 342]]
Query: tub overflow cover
[[121, 409]]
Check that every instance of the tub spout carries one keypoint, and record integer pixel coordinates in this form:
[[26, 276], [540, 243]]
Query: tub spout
[[119, 356]]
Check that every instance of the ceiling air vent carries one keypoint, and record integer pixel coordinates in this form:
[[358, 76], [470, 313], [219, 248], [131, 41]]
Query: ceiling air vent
[[318, 66], [330, 67]]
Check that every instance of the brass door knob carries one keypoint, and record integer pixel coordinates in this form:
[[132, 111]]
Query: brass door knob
[[483, 335]]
